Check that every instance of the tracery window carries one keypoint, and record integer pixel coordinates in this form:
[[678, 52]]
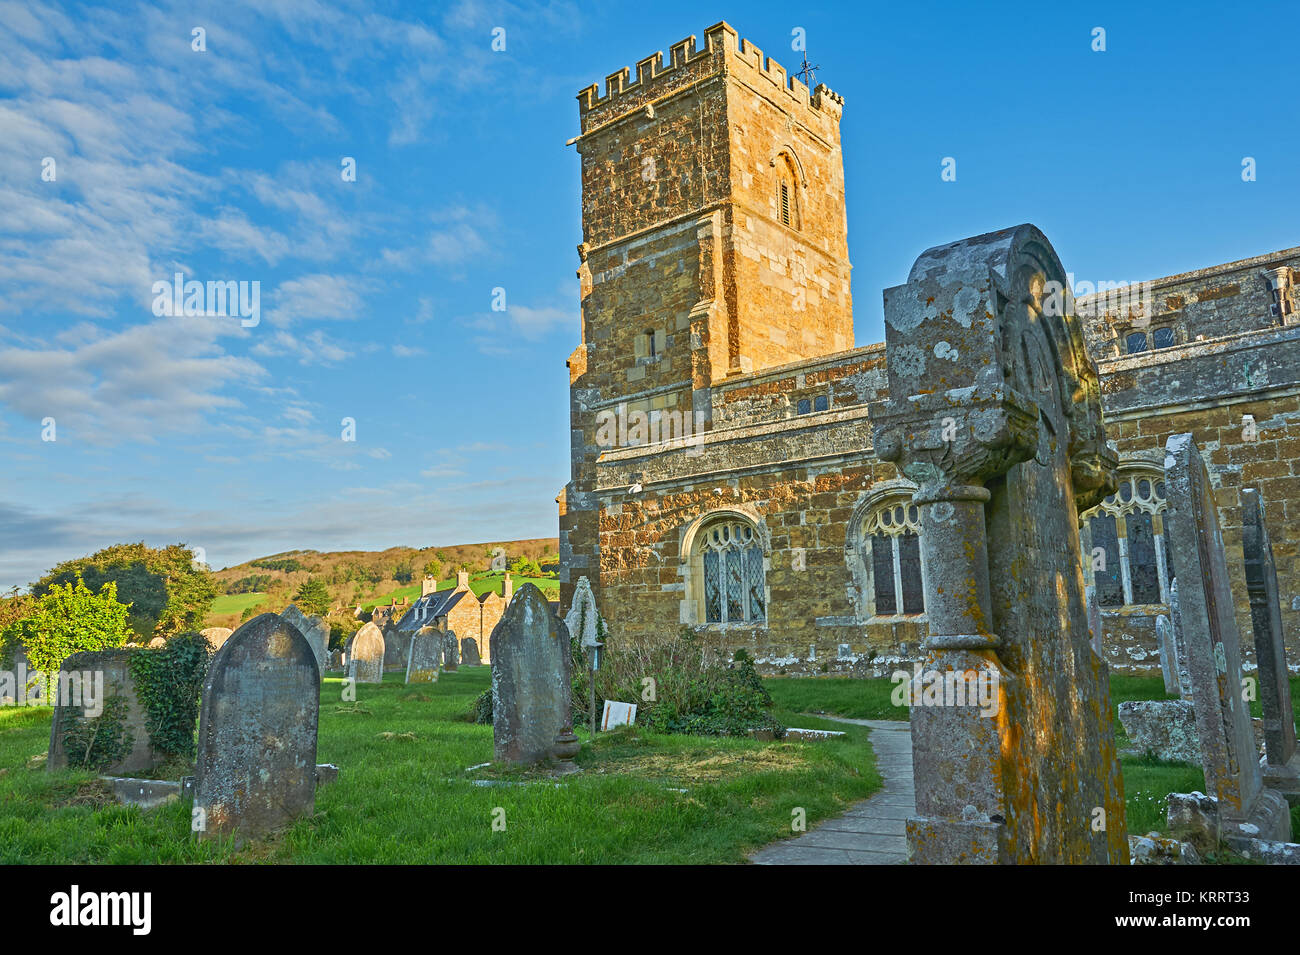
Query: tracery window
[[734, 585], [892, 553], [1129, 557]]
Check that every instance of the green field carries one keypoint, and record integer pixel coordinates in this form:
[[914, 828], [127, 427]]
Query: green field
[[235, 603], [404, 794]]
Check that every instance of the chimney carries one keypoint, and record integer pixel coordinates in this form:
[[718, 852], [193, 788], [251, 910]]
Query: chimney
[[507, 588], [428, 585], [462, 580]]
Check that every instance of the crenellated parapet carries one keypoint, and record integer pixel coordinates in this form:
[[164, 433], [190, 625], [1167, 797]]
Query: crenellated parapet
[[688, 65]]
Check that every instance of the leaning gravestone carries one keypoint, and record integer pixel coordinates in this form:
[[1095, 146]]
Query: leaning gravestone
[[469, 652], [118, 717], [423, 657], [450, 652], [314, 629], [1281, 763], [995, 414], [1211, 643], [366, 655], [256, 768], [531, 680], [397, 647]]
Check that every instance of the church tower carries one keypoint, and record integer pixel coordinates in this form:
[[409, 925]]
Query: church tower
[[714, 245]]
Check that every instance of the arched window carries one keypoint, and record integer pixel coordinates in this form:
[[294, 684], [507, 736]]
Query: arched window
[[788, 180], [650, 342], [1125, 543], [891, 543], [733, 586]]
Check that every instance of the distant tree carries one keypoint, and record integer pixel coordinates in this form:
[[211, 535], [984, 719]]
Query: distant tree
[[247, 614], [433, 568], [67, 619], [404, 573], [313, 597], [167, 591]]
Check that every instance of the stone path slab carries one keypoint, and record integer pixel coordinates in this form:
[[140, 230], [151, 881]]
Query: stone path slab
[[873, 831]]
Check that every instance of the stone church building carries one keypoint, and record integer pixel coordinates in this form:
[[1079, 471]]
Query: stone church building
[[723, 476]]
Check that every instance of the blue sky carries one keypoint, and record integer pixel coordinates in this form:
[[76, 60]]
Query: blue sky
[[225, 164]]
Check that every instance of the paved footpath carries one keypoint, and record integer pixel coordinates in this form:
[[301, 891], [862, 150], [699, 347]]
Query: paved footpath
[[873, 832]]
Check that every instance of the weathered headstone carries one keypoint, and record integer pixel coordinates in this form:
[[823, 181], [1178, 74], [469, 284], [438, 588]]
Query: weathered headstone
[[1211, 643], [531, 679], [1281, 763], [256, 769], [424, 656], [314, 629], [450, 652], [117, 711], [366, 655], [469, 652], [995, 414], [216, 637], [397, 647], [1165, 729], [1168, 653]]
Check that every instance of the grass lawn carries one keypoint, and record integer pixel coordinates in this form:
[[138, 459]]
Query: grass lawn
[[404, 794], [837, 696], [235, 603]]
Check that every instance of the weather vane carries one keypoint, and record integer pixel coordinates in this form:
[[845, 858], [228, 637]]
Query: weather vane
[[808, 73]]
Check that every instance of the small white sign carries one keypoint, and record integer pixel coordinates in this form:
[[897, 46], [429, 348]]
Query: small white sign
[[618, 714]]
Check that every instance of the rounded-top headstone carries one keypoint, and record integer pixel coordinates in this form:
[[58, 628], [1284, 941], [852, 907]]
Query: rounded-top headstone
[[256, 767], [216, 636], [366, 655]]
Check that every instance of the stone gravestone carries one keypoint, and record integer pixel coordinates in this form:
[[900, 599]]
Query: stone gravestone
[[531, 679], [397, 647], [469, 652], [366, 655], [1281, 764], [256, 769], [995, 414], [126, 719], [1168, 653], [423, 657], [216, 637], [314, 629], [450, 652], [1211, 645]]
